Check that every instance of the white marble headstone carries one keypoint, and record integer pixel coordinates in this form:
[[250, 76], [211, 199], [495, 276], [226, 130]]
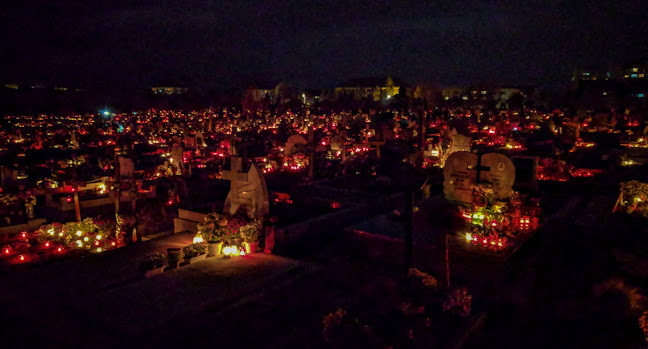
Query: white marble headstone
[[247, 191]]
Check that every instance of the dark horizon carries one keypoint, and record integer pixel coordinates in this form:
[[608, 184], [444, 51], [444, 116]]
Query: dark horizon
[[121, 44]]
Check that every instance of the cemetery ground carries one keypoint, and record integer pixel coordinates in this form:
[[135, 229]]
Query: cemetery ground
[[544, 295]]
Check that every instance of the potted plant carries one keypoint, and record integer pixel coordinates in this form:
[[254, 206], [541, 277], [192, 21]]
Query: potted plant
[[152, 264], [250, 235], [215, 230], [194, 252], [174, 256]]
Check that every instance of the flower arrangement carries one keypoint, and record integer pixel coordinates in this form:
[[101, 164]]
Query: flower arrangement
[[250, 232], [458, 302], [174, 256], [633, 195], [151, 262], [194, 250]]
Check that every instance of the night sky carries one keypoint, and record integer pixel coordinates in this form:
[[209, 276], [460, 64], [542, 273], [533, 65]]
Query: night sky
[[313, 43]]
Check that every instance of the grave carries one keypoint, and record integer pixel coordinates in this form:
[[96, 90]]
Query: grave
[[464, 170], [460, 143], [292, 142], [247, 190], [177, 158]]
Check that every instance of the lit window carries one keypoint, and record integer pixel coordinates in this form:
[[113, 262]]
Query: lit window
[[642, 75], [447, 98], [626, 76], [483, 92], [634, 70], [465, 98], [640, 95], [605, 93], [634, 75]]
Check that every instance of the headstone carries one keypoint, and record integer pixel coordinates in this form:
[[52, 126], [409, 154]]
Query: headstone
[[8, 176], [73, 141], [458, 178], [292, 141], [464, 170], [126, 167], [247, 190], [498, 172], [200, 139], [337, 142], [460, 143], [176, 156]]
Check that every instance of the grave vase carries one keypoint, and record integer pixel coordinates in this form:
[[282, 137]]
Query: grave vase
[[251, 247], [214, 248]]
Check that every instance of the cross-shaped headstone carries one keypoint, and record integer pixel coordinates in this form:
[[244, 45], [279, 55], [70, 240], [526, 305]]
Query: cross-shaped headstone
[[234, 174], [247, 190]]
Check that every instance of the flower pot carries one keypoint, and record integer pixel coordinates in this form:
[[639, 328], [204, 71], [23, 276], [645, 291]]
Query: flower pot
[[214, 248], [195, 259], [152, 272], [251, 247], [236, 242]]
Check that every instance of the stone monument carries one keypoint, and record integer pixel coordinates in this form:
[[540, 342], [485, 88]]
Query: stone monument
[[464, 170], [177, 157], [460, 143], [292, 141], [458, 177], [126, 167], [247, 190]]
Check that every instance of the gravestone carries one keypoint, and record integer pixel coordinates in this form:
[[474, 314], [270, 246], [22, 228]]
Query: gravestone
[[292, 141], [200, 139], [498, 173], [458, 178], [465, 170], [126, 167], [247, 190], [460, 143], [73, 141], [176, 156], [337, 142]]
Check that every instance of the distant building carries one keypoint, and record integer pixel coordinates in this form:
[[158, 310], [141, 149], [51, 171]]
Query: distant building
[[311, 96], [373, 88], [168, 90], [453, 92], [635, 71], [261, 91]]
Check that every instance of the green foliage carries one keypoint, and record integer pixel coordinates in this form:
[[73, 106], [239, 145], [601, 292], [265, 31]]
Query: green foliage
[[175, 256], [151, 262], [250, 232], [194, 250]]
